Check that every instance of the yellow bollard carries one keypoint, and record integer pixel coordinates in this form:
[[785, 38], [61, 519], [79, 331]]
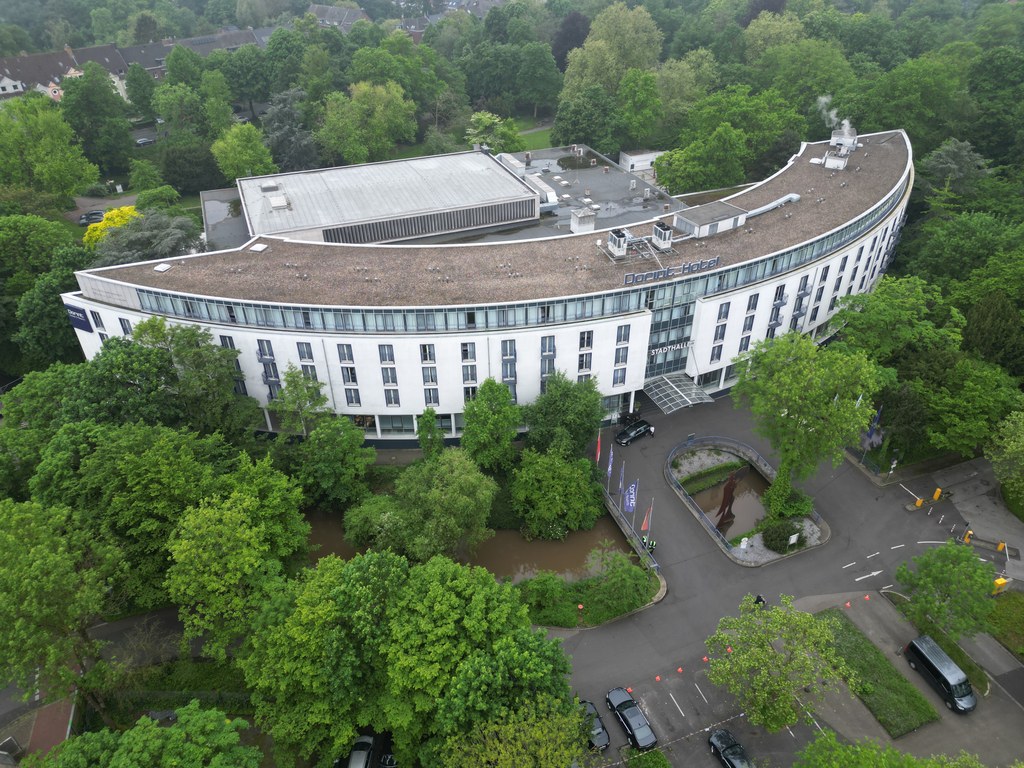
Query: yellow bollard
[[1001, 546], [999, 585], [967, 536], [937, 494], [919, 502]]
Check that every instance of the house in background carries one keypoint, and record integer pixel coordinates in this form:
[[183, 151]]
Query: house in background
[[341, 18]]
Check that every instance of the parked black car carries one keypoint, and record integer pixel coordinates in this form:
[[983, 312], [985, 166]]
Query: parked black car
[[145, 141], [729, 751], [91, 217], [632, 718], [599, 738], [634, 431]]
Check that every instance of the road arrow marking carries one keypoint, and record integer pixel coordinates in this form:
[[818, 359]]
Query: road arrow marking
[[867, 576]]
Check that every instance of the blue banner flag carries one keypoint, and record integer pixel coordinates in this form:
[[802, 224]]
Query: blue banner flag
[[622, 477], [629, 505], [611, 455]]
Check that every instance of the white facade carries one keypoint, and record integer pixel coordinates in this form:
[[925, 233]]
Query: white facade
[[345, 313]]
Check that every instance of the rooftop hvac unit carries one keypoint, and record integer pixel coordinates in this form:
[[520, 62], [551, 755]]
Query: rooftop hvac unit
[[278, 202], [268, 186], [835, 162], [617, 242], [662, 238]]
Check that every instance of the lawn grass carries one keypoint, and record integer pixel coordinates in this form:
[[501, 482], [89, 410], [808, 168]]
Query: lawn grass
[[897, 705], [974, 673], [1008, 622], [537, 139]]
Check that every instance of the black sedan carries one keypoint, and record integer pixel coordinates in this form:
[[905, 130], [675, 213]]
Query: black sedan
[[91, 217], [634, 431], [632, 718], [598, 733], [725, 747]]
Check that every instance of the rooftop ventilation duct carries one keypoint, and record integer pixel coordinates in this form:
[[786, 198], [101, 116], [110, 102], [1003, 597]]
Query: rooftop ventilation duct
[[792, 197]]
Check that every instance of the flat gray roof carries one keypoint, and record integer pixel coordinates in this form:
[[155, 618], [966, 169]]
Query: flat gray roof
[[710, 212], [527, 270], [353, 194]]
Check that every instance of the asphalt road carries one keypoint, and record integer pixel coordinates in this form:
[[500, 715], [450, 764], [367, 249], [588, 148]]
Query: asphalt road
[[872, 532]]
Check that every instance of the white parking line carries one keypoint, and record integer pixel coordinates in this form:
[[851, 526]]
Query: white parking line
[[870, 556], [849, 564], [701, 693], [931, 542], [898, 546], [677, 705], [887, 586]]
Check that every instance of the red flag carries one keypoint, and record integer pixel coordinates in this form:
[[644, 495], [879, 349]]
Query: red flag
[[597, 459], [646, 524]]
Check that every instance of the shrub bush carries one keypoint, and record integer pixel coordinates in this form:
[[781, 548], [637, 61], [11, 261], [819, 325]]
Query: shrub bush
[[1008, 621], [652, 759], [775, 535], [710, 477], [97, 189]]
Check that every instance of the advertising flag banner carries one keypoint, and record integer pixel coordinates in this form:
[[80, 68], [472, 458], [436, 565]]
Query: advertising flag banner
[[597, 458], [646, 524], [622, 477], [611, 456], [629, 505]]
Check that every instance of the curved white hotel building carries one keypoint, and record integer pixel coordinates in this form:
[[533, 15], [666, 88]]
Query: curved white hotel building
[[404, 284]]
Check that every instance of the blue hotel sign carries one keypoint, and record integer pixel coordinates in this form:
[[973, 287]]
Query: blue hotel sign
[[689, 268], [78, 318]]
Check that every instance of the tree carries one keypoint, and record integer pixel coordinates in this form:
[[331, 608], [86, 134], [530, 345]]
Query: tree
[[222, 571], [316, 662], [632, 36], [537, 735], [55, 582], [95, 112], [827, 752], [240, 152], [951, 246], [589, 117], [299, 402], [195, 737], [165, 198], [572, 33], [429, 434], [44, 335], [767, 654], [704, 164], [491, 424], [639, 105], [1006, 453], [216, 104], [554, 495], [566, 417], [38, 150], [497, 134], [952, 166], [366, 126], [112, 219], [248, 72], [808, 402], [290, 142], [140, 85], [769, 30], [181, 108], [188, 165], [539, 78], [331, 464], [949, 586], [183, 66], [153, 235], [144, 175]]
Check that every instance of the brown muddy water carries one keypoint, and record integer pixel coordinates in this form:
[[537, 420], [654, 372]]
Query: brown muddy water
[[506, 555], [747, 509]]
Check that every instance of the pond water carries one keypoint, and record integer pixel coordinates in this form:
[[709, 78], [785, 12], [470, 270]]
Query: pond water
[[506, 555], [747, 509]]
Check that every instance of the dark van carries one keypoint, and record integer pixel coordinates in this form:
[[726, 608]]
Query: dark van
[[924, 655]]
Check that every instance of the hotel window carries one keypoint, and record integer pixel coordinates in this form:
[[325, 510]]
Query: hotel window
[[803, 284], [583, 377], [430, 375], [240, 388], [305, 350], [468, 393], [586, 339], [814, 314], [780, 293], [720, 332], [309, 371], [98, 321], [748, 323], [752, 303], [431, 397], [771, 333], [266, 349], [585, 360], [793, 323], [824, 276], [227, 342], [744, 344], [860, 252], [345, 353], [390, 377], [547, 366], [547, 345], [716, 353], [126, 326], [103, 337], [348, 375], [723, 311], [468, 352], [391, 397], [468, 374], [387, 353], [273, 390], [819, 294], [619, 377], [471, 319], [512, 391], [352, 397], [508, 349], [622, 334], [427, 353], [621, 355], [546, 313], [838, 282], [842, 264], [508, 371]]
